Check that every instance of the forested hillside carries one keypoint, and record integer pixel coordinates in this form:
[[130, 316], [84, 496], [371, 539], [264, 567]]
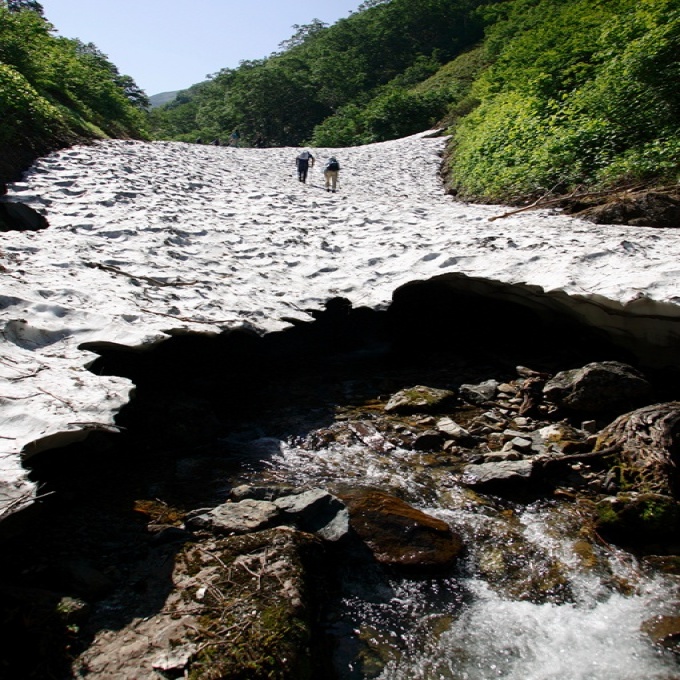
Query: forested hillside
[[55, 91], [350, 83], [539, 95]]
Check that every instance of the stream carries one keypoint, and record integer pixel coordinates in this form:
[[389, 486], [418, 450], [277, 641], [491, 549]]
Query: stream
[[536, 595]]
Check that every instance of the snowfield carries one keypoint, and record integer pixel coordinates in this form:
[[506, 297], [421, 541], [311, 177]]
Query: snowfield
[[147, 239]]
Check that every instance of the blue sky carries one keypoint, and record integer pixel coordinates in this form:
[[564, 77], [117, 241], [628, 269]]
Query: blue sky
[[168, 45]]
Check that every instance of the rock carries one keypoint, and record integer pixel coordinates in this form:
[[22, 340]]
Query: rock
[[316, 511], [261, 493], [430, 440], [255, 598], [480, 393], [418, 399], [172, 662], [664, 630], [519, 444], [237, 518], [606, 386], [398, 534], [452, 429], [19, 217], [506, 475], [87, 580]]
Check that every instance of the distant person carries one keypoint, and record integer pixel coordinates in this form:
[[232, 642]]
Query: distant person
[[235, 138], [215, 142], [304, 161], [330, 173]]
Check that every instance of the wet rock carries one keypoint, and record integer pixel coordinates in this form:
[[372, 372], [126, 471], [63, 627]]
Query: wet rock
[[480, 393], [370, 436], [605, 386], [667, 564], [418, 399], [664, 630], [237, 518], [502, 476], [316, 511], [398, 534]]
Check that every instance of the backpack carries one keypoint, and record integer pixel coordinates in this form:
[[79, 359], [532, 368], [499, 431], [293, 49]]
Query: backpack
[[332, 165]]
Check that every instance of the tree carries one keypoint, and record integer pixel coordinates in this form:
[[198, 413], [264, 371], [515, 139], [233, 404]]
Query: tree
[[18, 5]]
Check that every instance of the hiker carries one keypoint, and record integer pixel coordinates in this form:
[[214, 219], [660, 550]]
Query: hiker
[[234, 138], [304, 161], [330, 172]]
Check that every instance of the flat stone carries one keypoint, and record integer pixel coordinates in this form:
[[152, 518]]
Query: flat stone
[[237, 518], [504, 473]]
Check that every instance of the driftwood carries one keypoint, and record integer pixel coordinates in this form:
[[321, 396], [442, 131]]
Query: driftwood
[[647, 442]]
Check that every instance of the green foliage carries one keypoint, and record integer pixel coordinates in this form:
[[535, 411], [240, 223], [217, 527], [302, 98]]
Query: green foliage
[[55, 90], [578, 93], [352, 79]]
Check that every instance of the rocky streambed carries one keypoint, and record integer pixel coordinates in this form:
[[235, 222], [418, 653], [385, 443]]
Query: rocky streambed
[[326, 503]]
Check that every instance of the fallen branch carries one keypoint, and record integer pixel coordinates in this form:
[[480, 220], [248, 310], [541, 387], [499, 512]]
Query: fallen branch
[[540, 203], [150, 279], [186, 318]]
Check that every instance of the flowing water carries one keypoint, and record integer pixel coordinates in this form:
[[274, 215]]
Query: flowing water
[[484, 622]]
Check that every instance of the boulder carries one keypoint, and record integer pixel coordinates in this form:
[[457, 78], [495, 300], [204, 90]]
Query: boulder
[[599, 387], [398, 534], [419, 399]]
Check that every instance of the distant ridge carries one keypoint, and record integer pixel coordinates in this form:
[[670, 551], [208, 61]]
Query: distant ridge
[[162, 98]]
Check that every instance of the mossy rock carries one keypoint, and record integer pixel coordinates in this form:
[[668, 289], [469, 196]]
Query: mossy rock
[[638, 519], [257, 596]]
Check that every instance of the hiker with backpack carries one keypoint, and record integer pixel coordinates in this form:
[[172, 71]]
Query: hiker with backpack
[[304, 161], [330, 173]]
